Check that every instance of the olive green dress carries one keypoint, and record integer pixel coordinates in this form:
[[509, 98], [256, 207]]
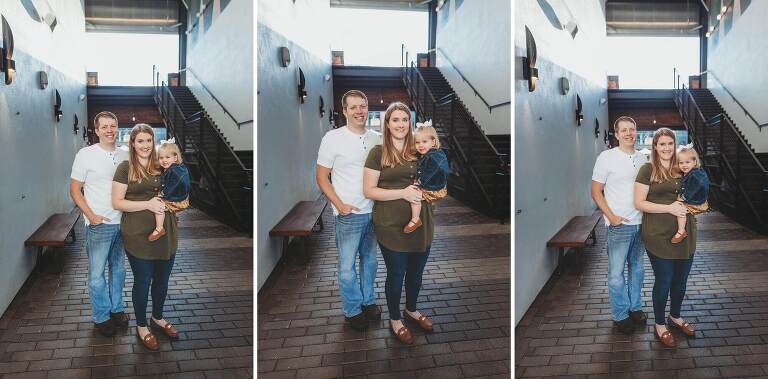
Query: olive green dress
[[136, 226], [389, 217], [657, 229]]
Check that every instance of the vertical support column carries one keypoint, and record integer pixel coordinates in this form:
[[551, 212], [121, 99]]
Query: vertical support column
[[432, 43]]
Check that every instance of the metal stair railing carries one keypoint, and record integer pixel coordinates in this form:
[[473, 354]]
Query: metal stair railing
[[732, 150], [429, 107], [176, 123]]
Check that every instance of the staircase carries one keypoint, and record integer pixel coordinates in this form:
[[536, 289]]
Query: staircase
[[480, 165], [222, 179], [739, 179]]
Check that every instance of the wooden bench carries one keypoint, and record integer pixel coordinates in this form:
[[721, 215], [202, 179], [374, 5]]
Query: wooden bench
[[54, 233], [300, 222], [575, 234]]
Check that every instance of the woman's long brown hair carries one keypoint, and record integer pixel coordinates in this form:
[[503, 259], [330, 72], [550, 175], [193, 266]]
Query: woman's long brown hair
[[137, 172], [390, 156], [658, 172]]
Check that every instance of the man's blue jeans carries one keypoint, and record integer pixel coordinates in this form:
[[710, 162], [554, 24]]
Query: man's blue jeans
[[105, 251], [671, 279], [149, 273], [625, 249], [354, 237]]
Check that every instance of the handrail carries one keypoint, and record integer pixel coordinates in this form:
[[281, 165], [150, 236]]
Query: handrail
[[198, 150], [216, 99], [684, 95], [746, 112], [471, 169], [490, 107], [204, 114]]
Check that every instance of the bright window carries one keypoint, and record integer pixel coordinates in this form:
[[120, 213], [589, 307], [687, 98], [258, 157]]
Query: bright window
[[123, 59], [648, 62]]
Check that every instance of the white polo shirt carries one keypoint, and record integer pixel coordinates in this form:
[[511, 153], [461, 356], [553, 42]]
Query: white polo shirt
[[618, 170], [345, 152], [95, 167]]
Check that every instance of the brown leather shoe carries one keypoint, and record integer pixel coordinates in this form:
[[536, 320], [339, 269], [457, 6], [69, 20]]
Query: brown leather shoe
[[149, 341], [423, 321], [665, 338], [156, 234], [679, 237], [403, 334], [411, 226], [685, 327], [168, 329]]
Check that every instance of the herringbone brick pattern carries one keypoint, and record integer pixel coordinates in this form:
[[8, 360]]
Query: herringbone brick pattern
[[47, 331], [568, 329], [466, 293]]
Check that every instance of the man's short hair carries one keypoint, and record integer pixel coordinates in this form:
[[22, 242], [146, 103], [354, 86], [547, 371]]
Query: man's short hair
[[352, 93], [103, 114], [623, 118]]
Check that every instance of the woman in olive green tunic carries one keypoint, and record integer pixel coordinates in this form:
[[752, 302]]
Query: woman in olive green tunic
[[656, 191], [388, 179], [134, 190]]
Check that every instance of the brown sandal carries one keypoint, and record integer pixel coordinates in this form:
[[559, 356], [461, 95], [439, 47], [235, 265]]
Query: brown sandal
[[685, 327], [423, 321], [149, 341], [156, 234], [168, 329], [679, 237], [403, 334], [411, 226], [665, 338]]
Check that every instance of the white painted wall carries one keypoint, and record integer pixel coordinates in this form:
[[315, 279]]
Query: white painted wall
[[553, 156], [37, 152], [222, 58], [289, 132], [738, 59], [476, 37]]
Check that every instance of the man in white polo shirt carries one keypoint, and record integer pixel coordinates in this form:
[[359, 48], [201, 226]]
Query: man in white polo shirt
[[93, 170], [342, 155], [613, 181]]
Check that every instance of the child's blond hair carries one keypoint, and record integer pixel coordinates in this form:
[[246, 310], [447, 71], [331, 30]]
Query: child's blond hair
[[690, 150], [170, 147], [430, 131]]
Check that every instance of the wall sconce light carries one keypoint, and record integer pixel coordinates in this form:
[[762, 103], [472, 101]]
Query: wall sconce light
[[572, 28], [565, 85], [605, 137], [81, 97], [76, 128], [327, 77], [603, 101], [42, 78], [579, 114], [597, 128], [57, 113], [133, 117], [285, 56], [530, 72], [322, 106], [302, 85], [7, 64]]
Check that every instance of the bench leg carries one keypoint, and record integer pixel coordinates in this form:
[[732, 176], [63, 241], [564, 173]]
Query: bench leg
[[39, 264], [593, 238], [560, 261], [285, 246]]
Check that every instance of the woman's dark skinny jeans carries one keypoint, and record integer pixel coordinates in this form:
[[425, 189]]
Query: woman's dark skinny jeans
[[671, 278], [408, 266]]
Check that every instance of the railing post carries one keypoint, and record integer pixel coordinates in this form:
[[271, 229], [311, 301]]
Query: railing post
[[453, 121]]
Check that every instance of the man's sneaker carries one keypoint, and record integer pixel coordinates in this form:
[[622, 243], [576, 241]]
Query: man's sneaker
[[119, 319], [357, 322], [625, 326], [372, 312], [638, 317], [106, 328]]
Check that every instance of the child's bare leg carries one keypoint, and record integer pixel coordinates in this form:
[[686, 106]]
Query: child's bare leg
[[159, 230], [681, 224], [415, 221], [415, 211]]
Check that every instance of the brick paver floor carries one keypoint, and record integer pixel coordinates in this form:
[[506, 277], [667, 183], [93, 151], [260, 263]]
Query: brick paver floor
[[568, 329], [47, 331], [466, 292]]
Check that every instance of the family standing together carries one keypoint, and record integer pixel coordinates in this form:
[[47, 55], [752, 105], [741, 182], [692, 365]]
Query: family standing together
[[649, 208], [382, 189], [129, 203]]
